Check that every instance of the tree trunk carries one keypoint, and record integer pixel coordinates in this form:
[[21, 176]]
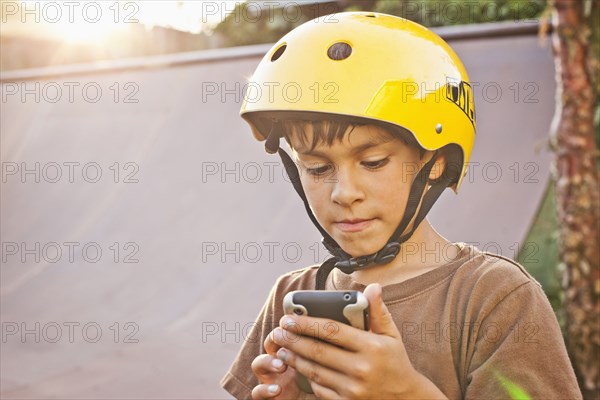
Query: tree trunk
[[577, 188]]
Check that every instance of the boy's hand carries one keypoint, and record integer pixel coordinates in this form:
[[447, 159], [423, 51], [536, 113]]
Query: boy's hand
[[276, 379], [370, 364]]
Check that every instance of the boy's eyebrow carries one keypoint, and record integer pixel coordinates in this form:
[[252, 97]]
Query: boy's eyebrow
[[356, 150]]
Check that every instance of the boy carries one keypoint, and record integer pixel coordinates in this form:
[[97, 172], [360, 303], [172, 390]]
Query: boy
[[388, 125]]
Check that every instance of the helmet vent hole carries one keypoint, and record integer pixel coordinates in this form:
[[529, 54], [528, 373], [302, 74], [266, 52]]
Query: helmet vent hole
[[339, 51], [371, 16], [278, 52]]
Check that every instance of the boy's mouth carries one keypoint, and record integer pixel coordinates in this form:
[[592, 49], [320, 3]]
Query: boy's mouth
[[353, 225]]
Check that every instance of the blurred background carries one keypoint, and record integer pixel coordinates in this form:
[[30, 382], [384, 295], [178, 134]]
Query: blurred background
[[143, 227], [65, 33]]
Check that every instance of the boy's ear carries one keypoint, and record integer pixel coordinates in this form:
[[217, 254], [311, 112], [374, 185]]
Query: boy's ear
[[438, 167]]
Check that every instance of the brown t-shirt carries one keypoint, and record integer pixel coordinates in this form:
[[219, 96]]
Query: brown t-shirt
[[477, 327]]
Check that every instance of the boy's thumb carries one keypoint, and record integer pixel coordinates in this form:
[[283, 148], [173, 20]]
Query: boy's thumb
[[380, 319]]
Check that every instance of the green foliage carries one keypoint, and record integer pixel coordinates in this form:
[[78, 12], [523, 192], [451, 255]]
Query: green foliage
[[539, 253], [249, 25], [460, 12]]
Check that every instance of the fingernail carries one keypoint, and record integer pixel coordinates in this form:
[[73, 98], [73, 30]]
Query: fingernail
[[276, 363], [282, 355], [287, 322], [278, 335], [273, 388]]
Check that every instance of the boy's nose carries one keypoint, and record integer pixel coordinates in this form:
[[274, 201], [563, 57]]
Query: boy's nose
[[346, 188]]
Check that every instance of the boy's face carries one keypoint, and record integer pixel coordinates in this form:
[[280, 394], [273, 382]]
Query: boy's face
[[358, 188]]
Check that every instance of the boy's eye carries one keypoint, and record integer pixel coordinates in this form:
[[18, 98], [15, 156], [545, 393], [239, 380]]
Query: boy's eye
[[324, 169], [375, 164], [317, 171]]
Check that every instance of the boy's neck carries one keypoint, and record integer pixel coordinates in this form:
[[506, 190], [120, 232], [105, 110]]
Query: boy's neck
[[424, 251]]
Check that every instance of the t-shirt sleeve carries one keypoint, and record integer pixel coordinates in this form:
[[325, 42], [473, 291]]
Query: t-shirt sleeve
[[519, 352]]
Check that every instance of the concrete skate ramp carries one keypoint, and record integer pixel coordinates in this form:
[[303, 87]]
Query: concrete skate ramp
[[141, 246]]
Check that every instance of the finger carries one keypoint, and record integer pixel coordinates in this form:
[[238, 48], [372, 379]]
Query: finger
[[270, 346], [323, 392], [314, 372], [265, 391], [318, 351], [328, 330], [265, 367], [380, 319]]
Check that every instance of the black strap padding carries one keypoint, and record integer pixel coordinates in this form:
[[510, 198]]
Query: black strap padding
[[272, 142], [414, 196], [429, 200], [323, 272]]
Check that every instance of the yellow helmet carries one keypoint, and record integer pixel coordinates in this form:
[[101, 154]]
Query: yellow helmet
[[397, 74]]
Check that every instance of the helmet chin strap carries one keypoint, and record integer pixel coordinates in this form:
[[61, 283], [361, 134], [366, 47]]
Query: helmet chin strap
[[342, 260]]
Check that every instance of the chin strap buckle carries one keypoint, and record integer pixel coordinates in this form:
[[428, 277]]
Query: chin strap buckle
[[383, 256], [388, 253]]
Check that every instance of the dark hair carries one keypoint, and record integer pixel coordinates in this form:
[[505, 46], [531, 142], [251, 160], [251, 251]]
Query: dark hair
[[328, 131]]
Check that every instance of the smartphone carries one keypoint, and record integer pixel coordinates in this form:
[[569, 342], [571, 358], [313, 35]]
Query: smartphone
[[346, 306]]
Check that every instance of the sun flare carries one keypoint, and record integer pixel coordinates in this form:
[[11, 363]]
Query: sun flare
[[84, 32], [97, 22]]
